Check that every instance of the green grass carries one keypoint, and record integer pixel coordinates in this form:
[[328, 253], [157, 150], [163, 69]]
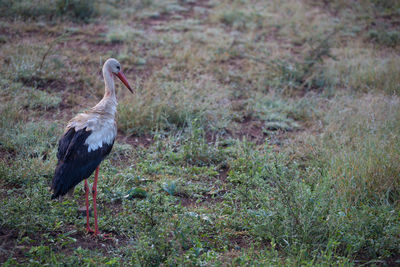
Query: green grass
[[75, 10], [261, 133]]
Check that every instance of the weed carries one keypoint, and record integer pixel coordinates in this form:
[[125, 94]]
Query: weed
[[123, 33], [388, 38], [80, 10], [77, 10]]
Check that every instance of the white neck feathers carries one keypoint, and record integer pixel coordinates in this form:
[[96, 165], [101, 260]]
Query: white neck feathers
[[108, 82], [108, 105]]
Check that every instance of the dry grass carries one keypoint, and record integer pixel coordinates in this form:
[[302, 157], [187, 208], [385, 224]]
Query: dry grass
[[365, 69], [170, 105], [363, 147], [355, 138]]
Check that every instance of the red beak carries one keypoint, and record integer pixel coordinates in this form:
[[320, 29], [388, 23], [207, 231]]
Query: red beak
[[123, 79]]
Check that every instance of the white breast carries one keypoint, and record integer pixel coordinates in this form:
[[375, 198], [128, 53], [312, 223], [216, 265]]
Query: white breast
[[103, 133]]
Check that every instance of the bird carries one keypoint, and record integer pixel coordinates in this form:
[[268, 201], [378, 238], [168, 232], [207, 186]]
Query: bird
[[87, 139]]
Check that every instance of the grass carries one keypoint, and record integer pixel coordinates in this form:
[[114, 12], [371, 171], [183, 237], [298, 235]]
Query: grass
[[76, 10], [172, 105], [370, 164], [366, 70], [262, 133]]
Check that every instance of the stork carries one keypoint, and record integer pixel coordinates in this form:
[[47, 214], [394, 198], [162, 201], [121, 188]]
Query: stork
[[87, 140]]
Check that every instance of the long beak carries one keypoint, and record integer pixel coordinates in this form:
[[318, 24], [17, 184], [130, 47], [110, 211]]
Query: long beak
[[123, 79]]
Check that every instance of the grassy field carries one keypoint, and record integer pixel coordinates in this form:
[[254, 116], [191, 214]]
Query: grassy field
[[262, 133]]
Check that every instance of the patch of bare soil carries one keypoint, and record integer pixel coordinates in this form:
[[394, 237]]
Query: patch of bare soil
[[206, 200], [7, 242], [251, 129], [392, 261], [156, 20], [223, 174], [189, 12], [88, 241], [240, 240], [7, 154], [136, 141]]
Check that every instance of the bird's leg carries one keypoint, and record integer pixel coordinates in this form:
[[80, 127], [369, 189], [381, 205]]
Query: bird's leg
[[87, 207], [94, 191]]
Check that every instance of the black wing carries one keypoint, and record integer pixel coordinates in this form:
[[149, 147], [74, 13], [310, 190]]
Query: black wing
[[75, 163], [70, 137]]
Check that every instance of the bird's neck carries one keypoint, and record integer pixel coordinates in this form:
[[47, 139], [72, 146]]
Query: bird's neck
[[108, 105], [109, 83]]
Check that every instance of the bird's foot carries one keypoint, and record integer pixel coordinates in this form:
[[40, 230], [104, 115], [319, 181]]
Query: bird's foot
[[105, 236], [98, 234]]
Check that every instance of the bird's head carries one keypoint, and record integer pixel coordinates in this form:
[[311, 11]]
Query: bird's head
[[114, 67]]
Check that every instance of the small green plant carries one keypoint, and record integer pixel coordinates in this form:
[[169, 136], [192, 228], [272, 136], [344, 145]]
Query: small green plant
[[73, 9], [383, 37], [234, 18], [308, 74], [386, 4], [80, 10], [122, 33]]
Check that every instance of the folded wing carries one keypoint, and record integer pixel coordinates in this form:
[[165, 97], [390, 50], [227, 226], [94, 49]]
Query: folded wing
[[75, 162]]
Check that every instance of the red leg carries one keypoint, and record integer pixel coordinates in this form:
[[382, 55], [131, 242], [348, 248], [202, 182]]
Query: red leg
[[94, 190], [87, 207]]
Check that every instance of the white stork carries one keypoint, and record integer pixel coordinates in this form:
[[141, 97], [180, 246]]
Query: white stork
[[87, 140]]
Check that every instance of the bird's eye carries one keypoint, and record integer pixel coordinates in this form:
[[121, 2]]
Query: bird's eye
[[118, 67]]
